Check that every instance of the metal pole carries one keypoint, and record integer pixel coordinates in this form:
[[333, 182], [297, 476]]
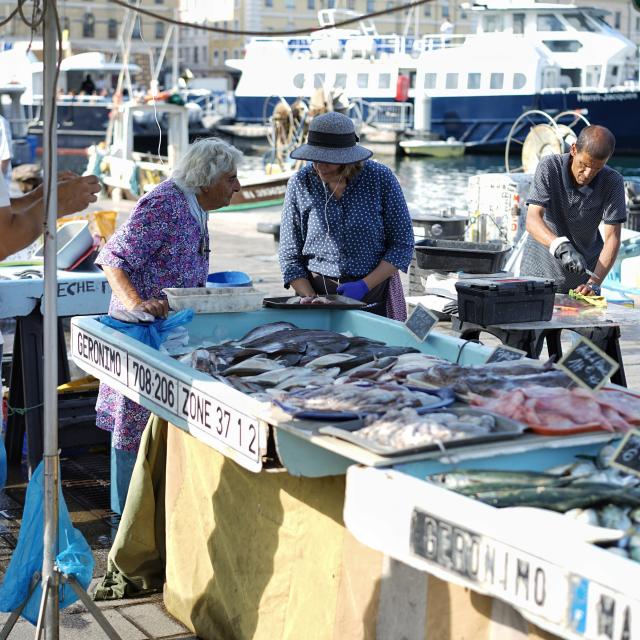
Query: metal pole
[[50, 327], [176, 51]]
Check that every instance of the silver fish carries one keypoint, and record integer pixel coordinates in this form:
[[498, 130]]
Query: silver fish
[[252, 366], [265, 330], [614, 517], [329, 360]]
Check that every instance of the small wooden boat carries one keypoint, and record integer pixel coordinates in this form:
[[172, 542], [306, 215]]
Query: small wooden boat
[[434, 148]]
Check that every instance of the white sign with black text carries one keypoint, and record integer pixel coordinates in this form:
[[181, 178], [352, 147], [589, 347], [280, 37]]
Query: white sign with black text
[[509, 573], [212, 420]]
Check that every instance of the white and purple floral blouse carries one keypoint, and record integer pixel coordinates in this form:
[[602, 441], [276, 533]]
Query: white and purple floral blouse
[[158, 247]]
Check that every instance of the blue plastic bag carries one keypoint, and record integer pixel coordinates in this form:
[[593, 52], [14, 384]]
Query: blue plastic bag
[[153, 333], [74, 556]]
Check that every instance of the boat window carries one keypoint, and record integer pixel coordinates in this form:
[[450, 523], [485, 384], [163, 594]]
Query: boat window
[[298, 80], [519, 80], [363, 80], [430, 80], [493, 23], [549, 22], [384, 81], [341, 81], [579, 21], [518, 23], [593, 75], [497, 81], [318, 80], [563, 46], [451, 81], [473, 81]]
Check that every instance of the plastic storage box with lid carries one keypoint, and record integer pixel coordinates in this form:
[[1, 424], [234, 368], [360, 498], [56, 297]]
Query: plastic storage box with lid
[[505, 301], [455, 255]]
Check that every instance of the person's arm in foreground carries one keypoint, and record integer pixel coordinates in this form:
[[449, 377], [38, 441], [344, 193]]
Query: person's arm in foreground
[[22, 222], [607, 257]]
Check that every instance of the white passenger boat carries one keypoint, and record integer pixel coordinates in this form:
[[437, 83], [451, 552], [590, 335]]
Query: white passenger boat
[[523, 55]]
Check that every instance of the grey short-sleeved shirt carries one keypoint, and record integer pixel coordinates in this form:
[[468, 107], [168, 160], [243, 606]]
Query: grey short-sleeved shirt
[[574, 212]]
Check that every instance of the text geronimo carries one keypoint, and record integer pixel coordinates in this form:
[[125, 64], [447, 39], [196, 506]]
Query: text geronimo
[[100, 354]]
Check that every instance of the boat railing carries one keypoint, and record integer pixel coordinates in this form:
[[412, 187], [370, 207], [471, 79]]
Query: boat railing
[[337, 45], [434, 41], [392, 116]]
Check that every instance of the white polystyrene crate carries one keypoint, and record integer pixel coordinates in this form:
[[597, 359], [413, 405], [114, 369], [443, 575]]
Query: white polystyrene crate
[[218, 300]]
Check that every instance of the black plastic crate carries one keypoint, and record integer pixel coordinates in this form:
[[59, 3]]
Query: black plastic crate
[[486, 302], [459, 255]]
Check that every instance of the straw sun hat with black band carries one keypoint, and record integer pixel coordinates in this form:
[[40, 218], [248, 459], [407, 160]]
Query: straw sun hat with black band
[[332, 139]]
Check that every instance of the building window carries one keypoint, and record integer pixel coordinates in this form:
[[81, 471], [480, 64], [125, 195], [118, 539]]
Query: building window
[[88, 26], [203, 51], [236, 53], [159, 1], [363, 80], [617, 21], [112, 29], [195, 55], [159, 30], [225, 55], [430, 80], [268, 3], [216, 56], [371, 6], [451, 81], [445, 12], [66, 25], [311, 4], [497, 81], [137, 30], [384, 81], [351, 5], [331, 4], [290, 4], [473, 81], [341, 81], [637, 24]]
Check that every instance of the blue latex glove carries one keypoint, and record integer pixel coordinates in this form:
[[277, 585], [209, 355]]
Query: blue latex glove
[[356, 290]]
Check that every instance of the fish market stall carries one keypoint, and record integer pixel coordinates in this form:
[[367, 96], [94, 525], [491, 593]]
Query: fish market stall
[[282, 403]]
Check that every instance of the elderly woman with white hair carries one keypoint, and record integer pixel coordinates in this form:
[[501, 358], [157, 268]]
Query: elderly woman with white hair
[[164, 243]]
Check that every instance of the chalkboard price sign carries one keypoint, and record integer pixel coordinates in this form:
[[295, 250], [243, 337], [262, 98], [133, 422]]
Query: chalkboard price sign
[[505, 354], [587, 365], [421, 321], [627, 455]]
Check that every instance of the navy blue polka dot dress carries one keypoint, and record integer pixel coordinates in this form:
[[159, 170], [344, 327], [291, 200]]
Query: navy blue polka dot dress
[[349, 236]]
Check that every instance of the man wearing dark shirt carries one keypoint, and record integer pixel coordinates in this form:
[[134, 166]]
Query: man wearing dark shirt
[[571, 195]]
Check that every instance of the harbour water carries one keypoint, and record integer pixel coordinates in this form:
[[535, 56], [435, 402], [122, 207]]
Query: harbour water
[[431, 184]]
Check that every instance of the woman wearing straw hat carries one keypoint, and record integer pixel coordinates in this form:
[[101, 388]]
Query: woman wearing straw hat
[[345, 223]]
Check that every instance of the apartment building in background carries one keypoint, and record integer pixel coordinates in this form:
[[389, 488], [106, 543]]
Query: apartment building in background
[[98, 26]]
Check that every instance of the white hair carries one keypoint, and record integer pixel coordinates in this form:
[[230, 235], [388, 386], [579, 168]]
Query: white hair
[[204, 162]]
